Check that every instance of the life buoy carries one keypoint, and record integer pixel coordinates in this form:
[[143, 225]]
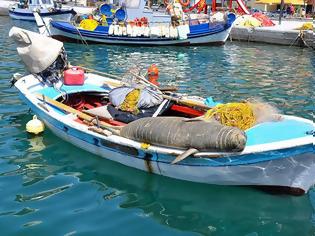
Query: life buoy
[[184, 4]]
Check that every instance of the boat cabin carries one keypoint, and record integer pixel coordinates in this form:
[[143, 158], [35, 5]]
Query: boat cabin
[[136, 8], [132, 9]]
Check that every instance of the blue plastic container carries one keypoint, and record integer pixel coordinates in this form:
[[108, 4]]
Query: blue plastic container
[[120, 15], [105, 9]]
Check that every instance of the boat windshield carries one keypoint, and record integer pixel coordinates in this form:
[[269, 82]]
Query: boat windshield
[[39, 2], [47, 2], [132, 3], [33, 2]]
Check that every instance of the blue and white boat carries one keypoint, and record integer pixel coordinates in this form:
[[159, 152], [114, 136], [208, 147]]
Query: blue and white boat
[[277, 153], [46, 8], [158, 29]]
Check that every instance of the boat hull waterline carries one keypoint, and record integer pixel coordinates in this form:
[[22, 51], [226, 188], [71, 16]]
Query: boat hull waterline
[[292, 166]]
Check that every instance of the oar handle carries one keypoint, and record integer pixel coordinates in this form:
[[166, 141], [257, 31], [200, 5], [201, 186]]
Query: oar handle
[[187, 102]]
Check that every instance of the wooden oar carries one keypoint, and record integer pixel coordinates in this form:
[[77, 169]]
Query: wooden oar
[[102, 124], [184, 155], [187, 102], [144, 81], [169, 89], [114, 83]]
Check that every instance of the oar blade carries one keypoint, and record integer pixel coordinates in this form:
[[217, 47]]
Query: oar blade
[[184, 155]]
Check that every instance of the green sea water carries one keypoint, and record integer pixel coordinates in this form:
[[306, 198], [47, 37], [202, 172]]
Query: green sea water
[[49, 187]]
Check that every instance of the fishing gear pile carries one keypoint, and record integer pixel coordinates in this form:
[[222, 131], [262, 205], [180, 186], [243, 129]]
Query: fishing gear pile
[[243, 115], [236, 114], [129, 103]]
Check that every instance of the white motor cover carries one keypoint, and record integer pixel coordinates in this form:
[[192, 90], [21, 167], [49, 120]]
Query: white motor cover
[[37, 51]]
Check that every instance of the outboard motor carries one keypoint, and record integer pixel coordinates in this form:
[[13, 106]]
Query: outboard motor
[[42, 56], [53, 73]]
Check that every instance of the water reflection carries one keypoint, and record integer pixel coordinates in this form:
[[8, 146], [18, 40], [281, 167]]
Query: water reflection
[[36, 144], [205, 209]]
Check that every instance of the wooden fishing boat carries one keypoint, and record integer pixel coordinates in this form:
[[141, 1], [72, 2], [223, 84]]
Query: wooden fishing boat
[[45, 8], [156, 28], [277, 153]]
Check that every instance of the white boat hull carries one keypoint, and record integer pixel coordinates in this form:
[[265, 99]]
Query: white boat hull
[[285, 164], [289, 172]]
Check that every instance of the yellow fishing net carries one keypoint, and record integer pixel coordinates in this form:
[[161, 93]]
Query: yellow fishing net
[[88, 24], [131, 101], [307, 26], [239, 115]]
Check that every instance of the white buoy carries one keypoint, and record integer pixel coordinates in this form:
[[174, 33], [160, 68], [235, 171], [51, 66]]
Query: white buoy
[[35, 126]]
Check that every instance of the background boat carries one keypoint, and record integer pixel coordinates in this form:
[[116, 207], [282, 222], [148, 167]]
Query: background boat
[[141, 25], [216, 33], [45, 8]]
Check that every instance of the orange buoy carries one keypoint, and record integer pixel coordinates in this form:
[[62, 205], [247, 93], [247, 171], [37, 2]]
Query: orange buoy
[[153, 74], [183, 3]]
